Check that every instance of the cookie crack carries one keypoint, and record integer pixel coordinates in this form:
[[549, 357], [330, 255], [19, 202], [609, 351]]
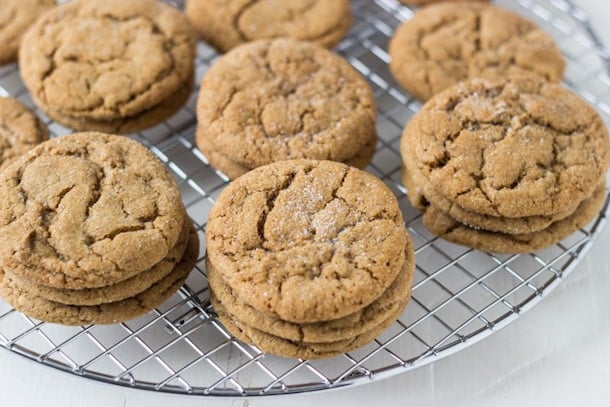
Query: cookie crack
[[237, 17], [269, 205]]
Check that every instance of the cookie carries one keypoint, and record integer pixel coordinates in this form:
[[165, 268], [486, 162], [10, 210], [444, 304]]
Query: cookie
[[145, 119], [87, 210], [454, 41], [109, 313], [233, 170], [350, 326], [276, 100], [20, 130], [116, 292], [109, 61], [306, 241], [421, 194], [225, 24], [509, 148], [444, 226], [293, 349], [16, 16]]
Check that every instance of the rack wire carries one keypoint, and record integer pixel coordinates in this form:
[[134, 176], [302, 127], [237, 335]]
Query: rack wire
[[460, 295]]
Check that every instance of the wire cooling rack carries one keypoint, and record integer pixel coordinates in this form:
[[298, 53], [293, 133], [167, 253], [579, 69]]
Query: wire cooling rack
[[459, 297]]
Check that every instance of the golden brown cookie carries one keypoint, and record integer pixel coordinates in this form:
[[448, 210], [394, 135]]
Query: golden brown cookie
[[116, 292], [512, 148], [421, 194], [20, 130], [87, 210], [109, 313], [347, 327], [449, 42], [228, 23], [306, 241], [147, 118], [109, 61], [16, 16], [275, 100], [296, 349], [444, 226]]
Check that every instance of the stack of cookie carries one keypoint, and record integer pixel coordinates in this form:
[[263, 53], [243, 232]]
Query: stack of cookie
[[506, 166], [308, 259], [20, 130], [109, 65], [283, 99], [93, 230]]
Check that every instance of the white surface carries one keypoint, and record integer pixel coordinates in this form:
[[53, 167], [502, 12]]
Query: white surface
[[556, 354]]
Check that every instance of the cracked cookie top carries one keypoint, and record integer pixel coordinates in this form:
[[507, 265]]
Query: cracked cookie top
[[228, 23], [307, 241], [510, 148], [284, 99], [20, 130], [87, 210], [15, 18], [450, 42], [107, 59]]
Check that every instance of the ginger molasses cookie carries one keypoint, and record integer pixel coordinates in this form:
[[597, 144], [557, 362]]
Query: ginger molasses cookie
[[305, 240], [107, 313], [87, 210], [96, 64], [115, 292], [454, 41], [20, 130], [297, 349], [228, 23], [509, 148], [16, 16], [283, 99], [448, 228], [422, 194], [394, 298]]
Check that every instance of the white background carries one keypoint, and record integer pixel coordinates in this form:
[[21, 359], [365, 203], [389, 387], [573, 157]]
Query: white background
[[556, 354]]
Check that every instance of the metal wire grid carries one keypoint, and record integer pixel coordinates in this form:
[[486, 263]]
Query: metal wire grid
[[459, 296]]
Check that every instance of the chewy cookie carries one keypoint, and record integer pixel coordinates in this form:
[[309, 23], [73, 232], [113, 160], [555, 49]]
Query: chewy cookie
[[448, 228], [115, 292], [454, 41], [276, 100], [16, 16], [93, 231], [109, 65], [228, 23], [352, 325], [87, 210], [20, 130], [516, 157], [421, 193], [308, 248], [105, 313]]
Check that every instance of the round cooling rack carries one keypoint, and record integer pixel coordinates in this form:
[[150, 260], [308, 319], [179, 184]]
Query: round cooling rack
[[460, 296]]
